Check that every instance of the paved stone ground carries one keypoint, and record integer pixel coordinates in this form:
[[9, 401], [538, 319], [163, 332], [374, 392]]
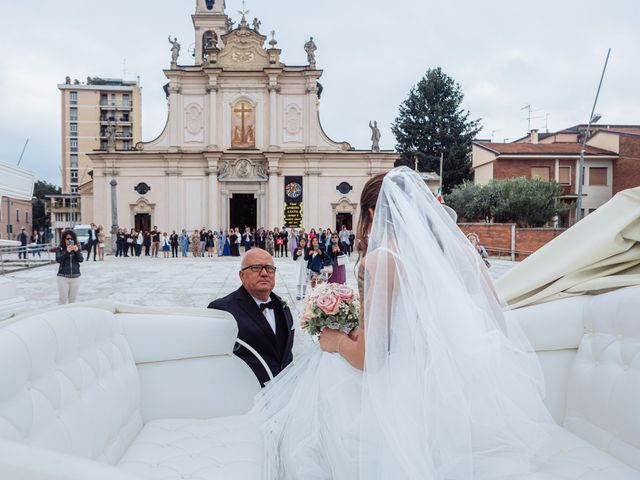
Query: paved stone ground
[[190, 282]]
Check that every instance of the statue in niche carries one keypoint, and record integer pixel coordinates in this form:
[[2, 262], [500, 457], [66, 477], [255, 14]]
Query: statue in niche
[[375, 136], [110, 133], [175, 50], [310, 47], [210, 4]]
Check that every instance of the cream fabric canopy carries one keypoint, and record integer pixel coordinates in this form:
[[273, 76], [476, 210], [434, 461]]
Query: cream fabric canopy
[[598, 254]]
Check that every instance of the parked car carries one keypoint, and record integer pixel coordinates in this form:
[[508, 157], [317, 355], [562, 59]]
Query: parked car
[[82, 232]]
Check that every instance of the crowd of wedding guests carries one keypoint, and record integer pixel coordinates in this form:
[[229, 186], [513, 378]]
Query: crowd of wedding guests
[[319, 254]]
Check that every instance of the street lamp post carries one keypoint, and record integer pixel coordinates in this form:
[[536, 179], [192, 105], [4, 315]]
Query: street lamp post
[[592, 119]]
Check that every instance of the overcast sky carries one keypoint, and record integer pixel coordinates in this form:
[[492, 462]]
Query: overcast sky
[[504, 53]]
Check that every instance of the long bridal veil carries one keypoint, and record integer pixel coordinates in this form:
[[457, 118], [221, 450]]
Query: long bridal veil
[[449, 390]]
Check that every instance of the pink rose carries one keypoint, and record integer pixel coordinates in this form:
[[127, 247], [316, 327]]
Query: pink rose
[[329, 303], [343, 292], [308, 313]]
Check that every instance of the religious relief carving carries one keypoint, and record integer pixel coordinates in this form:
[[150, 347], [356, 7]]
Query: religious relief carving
[[293, 120], [243, 128], [243, 168], [194, 119], [243, 57]]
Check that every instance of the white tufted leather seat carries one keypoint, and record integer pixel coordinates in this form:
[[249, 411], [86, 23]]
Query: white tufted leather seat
[[589, 348], [142, 396]]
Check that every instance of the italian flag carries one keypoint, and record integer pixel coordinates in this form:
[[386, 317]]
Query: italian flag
[[439, 194]]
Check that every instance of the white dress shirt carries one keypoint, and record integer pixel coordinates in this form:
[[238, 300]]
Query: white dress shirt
[[268, 313]]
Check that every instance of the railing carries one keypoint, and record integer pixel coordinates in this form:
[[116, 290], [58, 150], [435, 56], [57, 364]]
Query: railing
[[15, 259], [508, 252]]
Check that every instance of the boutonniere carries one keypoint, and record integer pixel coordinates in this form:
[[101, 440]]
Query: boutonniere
[[285, 304]]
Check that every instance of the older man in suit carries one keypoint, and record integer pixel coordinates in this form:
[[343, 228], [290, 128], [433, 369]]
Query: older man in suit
[[264, 319]]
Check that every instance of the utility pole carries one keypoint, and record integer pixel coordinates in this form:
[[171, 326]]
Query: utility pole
[[592, 118]]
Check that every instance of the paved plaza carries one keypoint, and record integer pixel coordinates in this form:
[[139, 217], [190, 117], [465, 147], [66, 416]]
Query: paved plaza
[[188, 282]]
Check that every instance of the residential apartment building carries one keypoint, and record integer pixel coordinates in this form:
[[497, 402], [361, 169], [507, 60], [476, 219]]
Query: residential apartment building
[[87, 110], [612, 162], [64, 213]]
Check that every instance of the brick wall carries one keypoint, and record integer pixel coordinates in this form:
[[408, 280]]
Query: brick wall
[[532, 239], [515, 167], [492, 235], [497, 237], [626, 170]]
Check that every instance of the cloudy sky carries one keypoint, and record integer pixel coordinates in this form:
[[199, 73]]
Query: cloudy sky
[[504, 53]]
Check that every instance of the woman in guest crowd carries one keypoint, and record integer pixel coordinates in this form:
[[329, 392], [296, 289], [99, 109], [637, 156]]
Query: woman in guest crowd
[[339, 273], [301, 275], [220, 237], [132, 242], [184, 242], [69, 257], [165, 245], [316, 259], [312, 235], [174, 241], [209, 242], [215, 244], [139, 242], [226, 249], [125, 243], [102, 237], [195, 243], [269, 243], [146, 242], [203, 242]]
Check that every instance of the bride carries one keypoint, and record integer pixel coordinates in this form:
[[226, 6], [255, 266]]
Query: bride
[[434, 385]]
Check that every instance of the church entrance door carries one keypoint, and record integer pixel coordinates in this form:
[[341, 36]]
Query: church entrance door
[[345, 219], [243, 211], [143, 222]]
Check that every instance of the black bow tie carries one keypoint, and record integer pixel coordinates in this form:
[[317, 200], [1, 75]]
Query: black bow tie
[[264, 306]]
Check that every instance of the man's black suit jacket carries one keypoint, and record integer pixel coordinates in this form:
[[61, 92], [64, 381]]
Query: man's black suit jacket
[[254, 329]]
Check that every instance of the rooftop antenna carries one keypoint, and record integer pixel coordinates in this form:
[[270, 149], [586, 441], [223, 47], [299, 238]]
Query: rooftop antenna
[[529, 110], [546, 121], [124, 69], [493, 132], [22, 153]]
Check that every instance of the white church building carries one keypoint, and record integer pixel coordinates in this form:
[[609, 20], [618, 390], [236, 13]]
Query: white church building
[[243, 145]]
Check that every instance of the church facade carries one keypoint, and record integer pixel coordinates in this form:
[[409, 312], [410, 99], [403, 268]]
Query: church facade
[[242, 146]]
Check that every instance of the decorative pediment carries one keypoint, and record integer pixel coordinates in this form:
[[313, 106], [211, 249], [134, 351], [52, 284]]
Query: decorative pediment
[[243, 50]]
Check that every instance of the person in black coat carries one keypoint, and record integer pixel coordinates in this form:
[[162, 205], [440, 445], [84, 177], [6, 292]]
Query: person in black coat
[[264, 320]]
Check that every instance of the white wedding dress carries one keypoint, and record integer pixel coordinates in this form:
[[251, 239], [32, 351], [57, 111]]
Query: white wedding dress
[[447, 392]]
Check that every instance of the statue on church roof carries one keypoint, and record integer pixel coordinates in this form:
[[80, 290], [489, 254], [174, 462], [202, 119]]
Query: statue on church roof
[[375, 136], [175, 50], [256, 25], [230, 24], [310, 47]]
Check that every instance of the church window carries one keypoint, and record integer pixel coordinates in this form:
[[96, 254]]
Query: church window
[[243, 125]]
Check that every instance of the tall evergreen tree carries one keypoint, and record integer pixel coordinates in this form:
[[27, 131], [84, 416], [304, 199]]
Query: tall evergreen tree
[[431, 121]]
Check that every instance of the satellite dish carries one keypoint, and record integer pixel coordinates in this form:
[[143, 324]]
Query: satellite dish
[[192, 50]]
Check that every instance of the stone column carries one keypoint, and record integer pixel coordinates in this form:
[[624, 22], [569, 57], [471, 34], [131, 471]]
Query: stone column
[[224, 208], [273, 117], [114, 214], [213, 112], [261, 206]]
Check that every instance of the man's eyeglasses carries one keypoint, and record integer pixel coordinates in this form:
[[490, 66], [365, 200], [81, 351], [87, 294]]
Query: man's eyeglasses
[[258, 268]]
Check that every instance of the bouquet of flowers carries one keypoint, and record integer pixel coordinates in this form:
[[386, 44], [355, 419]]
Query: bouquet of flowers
[[333, 306]]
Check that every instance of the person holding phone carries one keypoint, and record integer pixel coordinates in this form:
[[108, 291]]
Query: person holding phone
[[316, 259], [69, 257], [301, 275]]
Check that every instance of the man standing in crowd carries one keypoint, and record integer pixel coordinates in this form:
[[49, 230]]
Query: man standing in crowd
[[285, 241], [92, 242], [247, 239], [344, 239], [155, 241], [23, 238], [174, 241]]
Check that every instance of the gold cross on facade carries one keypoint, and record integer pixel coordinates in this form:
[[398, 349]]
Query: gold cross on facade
[[244, 112]]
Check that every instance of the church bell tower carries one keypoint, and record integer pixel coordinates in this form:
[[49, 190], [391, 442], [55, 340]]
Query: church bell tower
[[210, 22]]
